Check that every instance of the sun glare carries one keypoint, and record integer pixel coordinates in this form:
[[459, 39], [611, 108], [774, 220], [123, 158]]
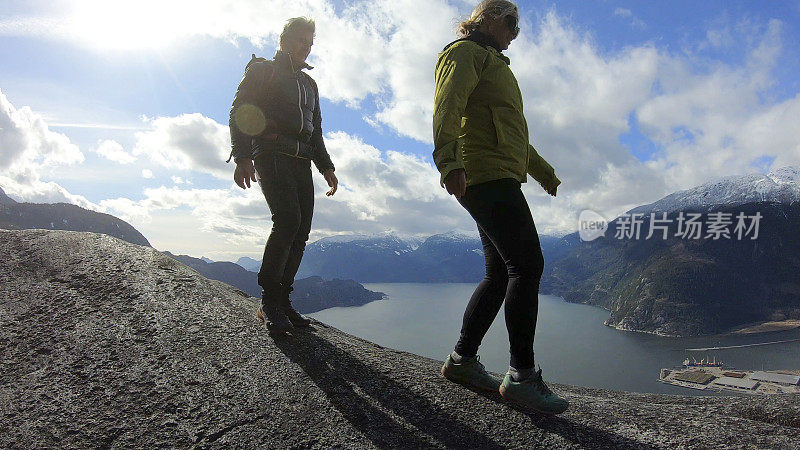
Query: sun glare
[[129, 25]]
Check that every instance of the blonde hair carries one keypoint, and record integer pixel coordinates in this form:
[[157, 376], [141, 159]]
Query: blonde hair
[[495, 8], [297, 25]]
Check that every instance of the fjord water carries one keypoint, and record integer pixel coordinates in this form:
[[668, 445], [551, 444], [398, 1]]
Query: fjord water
[[572, 344]]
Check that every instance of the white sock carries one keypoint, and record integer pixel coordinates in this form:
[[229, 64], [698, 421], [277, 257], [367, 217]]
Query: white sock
[[458, 359]]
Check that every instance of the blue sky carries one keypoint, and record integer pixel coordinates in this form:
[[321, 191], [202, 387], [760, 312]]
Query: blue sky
[[122, 107]]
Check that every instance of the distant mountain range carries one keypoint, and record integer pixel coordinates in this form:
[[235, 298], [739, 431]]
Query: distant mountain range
[[64, 216], [670, 287], [674, 286], [685, 287], [390, 258], [250, 264]]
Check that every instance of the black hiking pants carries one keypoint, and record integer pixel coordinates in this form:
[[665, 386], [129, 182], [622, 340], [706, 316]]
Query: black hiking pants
[[514, 265], [289, 189]]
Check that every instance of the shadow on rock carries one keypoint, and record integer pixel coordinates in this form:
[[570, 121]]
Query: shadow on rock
[[572, 431], [386, 412]]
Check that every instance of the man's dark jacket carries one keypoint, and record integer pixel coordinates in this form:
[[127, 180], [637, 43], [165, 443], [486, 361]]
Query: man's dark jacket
[[280, 94]]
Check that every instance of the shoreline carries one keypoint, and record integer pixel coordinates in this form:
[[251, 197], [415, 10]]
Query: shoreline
[[771, 326], [767, 327]]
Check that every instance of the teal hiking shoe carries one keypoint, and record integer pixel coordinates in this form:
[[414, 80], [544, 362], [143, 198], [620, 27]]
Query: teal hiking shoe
[[532, 393], [470, 372]]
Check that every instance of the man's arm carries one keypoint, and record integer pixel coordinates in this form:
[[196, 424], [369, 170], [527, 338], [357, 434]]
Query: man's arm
[[542, 171], [319, 153], [247, 120], [457, 74]]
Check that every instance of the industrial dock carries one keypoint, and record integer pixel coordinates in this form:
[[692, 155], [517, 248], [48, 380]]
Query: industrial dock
[[713, 375]]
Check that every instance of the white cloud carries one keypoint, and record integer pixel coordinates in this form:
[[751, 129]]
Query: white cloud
[[186, 142], [28, 187], [720, 37], [177, 180], [705, 117], [378, 191], [713, 124], [383, 190], [147, 173], [27, 146], [225, 222], [25, 138], [623, 12], [628, 14], [578, 103], [113, 151]]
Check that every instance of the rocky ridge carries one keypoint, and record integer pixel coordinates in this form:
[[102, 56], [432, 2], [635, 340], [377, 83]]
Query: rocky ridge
[[310, 294], [5, 199], [109, 344], [64, 216]]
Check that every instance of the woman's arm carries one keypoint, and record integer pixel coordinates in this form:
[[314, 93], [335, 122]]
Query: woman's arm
[[542, 171], [457, 73]]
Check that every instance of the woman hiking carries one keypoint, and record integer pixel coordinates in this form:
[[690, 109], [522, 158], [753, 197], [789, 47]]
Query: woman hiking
[[482, 152]]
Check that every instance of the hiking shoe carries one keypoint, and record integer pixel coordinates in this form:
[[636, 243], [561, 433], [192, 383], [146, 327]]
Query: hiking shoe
[[297, 319], [284, 301], [470, 372], [532, 393], [275, 319]]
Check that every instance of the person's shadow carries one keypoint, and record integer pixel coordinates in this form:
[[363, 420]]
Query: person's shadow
[[356, 389]]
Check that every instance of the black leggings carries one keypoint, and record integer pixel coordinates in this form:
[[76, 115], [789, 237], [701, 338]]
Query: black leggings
[[514, 265], [287, 185]]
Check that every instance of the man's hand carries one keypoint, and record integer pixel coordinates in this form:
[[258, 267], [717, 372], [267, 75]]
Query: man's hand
[[244, 173], [332, 181], [456, 183]]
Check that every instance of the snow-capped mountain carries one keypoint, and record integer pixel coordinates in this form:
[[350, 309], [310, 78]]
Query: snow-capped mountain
[[387, 241], [389, 257], [253, 265], [687, 285], [455, 256], [780, 186], [454, 236]]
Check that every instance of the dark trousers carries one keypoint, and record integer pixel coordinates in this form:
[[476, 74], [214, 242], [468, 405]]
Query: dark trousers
[[514, 265], [287, 185]]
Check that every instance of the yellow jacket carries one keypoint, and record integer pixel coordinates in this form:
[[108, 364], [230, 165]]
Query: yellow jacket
[[478, 122]]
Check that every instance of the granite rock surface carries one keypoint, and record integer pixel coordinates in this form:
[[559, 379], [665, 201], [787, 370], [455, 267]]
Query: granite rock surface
[[110, 344]]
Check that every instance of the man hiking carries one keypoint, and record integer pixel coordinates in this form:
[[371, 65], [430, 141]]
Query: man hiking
[[481, 149], [276, 132]]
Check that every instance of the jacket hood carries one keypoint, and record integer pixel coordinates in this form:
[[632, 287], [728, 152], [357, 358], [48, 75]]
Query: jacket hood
[[484, 40]]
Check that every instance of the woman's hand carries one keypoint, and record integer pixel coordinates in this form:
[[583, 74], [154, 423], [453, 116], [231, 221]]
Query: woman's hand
[[551, 185]]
